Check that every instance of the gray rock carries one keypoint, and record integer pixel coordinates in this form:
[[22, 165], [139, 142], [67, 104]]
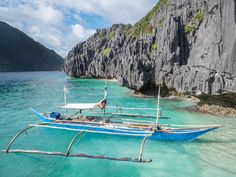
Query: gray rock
[[199, 58]]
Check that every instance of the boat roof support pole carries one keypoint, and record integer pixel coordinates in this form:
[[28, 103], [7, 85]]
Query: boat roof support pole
[[65, 91], [65, 96], [105, 89], [158, 106]]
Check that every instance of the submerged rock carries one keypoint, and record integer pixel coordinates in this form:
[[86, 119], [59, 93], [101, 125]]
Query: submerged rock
[[218, 110], [190, 45]]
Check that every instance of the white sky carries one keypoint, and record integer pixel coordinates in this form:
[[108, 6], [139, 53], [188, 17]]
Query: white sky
[[61, 24]]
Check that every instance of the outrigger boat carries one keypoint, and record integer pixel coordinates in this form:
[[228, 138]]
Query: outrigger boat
[[113, 123]]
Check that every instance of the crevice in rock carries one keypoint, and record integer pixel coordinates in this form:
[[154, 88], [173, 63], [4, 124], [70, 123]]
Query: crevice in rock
[[151, 89], [182, 41], [234, 10]]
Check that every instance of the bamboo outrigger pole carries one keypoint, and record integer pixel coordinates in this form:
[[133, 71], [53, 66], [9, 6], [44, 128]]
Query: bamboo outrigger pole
[[80, 155], [141, 149], [68, 154], [72, 141], [14, 138], [18, 134]]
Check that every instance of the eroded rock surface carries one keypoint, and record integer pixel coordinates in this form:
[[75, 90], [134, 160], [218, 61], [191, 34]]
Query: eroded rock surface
[[188, 44]]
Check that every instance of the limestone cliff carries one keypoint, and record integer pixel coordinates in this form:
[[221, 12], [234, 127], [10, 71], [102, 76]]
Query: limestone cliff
[[188, 44]]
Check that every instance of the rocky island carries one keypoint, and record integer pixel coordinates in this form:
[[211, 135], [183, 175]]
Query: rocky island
[[189, 46], [19, 52]]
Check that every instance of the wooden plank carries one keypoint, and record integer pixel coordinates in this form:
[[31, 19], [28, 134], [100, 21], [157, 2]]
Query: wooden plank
[[131, 120], [138, 116], [134, 115], [134, 125]]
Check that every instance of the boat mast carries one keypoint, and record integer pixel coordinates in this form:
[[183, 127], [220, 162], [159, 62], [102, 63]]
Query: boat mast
[[105, 94], [105, 89], [65, 91], [158, 107], [65, 96]]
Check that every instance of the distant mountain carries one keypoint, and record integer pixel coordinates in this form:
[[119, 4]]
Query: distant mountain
[[19, 52]]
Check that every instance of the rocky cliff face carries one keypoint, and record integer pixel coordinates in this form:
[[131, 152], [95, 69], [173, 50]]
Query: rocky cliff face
[[19, 52], [188, 44]]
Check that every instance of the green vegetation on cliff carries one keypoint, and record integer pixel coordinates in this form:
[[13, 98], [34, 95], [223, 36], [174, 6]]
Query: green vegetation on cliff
[[144, 26], [155, 46], [199, 16], [161, 22], [105, 52], [111, 35], [192, 25]]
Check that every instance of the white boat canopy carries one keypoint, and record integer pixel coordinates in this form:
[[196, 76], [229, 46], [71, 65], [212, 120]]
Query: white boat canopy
[[79, 106], [101, 104]]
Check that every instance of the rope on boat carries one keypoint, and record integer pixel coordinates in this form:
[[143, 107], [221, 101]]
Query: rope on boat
[[58, 98]]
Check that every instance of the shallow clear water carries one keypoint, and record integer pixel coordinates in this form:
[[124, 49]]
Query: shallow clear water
[[213, 154]]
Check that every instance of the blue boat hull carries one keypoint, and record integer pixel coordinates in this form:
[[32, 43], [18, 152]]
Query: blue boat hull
[[170, 134], [180, 135]]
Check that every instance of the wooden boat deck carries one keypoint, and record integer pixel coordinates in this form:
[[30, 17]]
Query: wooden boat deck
[[129, 125]]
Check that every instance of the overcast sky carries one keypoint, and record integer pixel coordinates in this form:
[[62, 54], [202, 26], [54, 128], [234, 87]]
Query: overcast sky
[[61, 24]]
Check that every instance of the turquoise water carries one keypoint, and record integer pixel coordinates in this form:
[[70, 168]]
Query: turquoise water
[[213, 154]]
